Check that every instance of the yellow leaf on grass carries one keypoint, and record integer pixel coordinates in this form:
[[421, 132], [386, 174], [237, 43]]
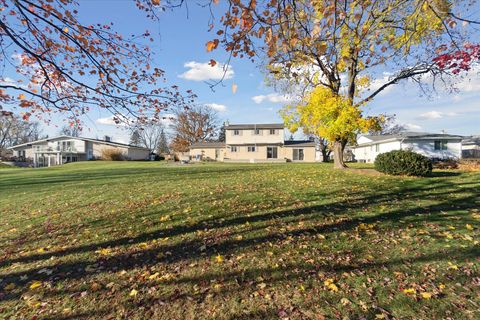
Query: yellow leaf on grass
[[409, 291], [469, 226], [104, 251], [452, 266], [330, 285], [153, 276], [35, 284], [133, 293], [219, 258], [426, 295]]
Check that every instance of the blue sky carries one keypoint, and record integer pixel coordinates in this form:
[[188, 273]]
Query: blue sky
[[180, 50]]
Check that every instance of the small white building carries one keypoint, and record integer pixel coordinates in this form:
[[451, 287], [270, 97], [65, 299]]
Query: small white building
[[471, 147], [431, 145]]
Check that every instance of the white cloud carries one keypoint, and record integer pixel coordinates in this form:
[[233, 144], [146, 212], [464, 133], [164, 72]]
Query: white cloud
[[470, 82], [430, 115], [272, 97], [376, 83], [109, 121], [202, 71], [217, 107], [411, 126]]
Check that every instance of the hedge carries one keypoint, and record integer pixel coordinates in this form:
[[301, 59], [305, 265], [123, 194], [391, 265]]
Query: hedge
[[403, 162]]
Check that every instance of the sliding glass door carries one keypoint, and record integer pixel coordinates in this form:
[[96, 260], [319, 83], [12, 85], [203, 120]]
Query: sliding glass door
[[272, 152]]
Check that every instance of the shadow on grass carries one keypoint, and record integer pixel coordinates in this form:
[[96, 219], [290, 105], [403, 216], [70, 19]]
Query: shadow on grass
[[461, 196], [187, 250], [444, 174], [356, 203], [51, 177]]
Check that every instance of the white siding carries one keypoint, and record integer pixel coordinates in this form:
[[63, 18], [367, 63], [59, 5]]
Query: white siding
[[369, 153], [427, 148]]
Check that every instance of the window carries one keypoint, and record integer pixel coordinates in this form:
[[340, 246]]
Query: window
[[236, 132], [273, 131], [298, 154], [257, 132], [440, 145], [251, 148], [377, 148], [272, 153], [234, 149]]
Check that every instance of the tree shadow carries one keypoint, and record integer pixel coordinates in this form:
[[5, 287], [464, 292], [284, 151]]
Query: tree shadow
[[188, 249]]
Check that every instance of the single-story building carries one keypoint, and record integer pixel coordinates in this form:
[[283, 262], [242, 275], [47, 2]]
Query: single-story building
[[208, 151], [62, 149], [432, 145], [471, 147]]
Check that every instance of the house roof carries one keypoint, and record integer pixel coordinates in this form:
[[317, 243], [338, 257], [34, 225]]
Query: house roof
[[110, 143], [472, 140], [408, 135], [300, 143], [208, 144], [255, 126]]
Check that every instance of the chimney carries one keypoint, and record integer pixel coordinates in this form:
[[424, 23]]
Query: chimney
[[108, 139]]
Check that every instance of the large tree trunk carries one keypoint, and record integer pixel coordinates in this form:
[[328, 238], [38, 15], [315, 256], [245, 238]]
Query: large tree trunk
[[338, 162]]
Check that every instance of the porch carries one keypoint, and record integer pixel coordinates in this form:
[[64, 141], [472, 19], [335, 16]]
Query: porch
[[55, 158]]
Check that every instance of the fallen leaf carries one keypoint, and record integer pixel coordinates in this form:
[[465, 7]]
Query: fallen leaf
[[409, 291], [35, 284], [426, 295], [133, 293]]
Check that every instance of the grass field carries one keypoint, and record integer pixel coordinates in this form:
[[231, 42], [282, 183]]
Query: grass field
[[152, 240]]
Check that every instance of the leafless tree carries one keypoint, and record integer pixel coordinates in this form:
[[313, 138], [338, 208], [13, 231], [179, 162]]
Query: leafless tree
[[70, 131], [148, 135], [14, 130]]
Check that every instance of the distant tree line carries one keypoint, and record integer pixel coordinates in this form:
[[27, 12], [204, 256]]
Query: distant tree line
[[14, 130], [186, 127]]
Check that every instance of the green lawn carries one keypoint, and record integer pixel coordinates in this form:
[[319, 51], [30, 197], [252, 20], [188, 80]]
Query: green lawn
[[151, 240]]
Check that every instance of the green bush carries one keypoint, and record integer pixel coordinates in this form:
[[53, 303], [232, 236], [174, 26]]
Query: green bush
[[402, 162]]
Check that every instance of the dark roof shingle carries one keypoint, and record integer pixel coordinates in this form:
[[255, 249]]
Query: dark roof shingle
[[208, 144]]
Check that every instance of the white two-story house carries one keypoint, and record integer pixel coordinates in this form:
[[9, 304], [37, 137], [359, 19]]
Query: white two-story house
[[255, 143]]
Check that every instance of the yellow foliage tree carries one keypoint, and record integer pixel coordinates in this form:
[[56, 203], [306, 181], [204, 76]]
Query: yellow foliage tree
[[326, 114], [340, 46]]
